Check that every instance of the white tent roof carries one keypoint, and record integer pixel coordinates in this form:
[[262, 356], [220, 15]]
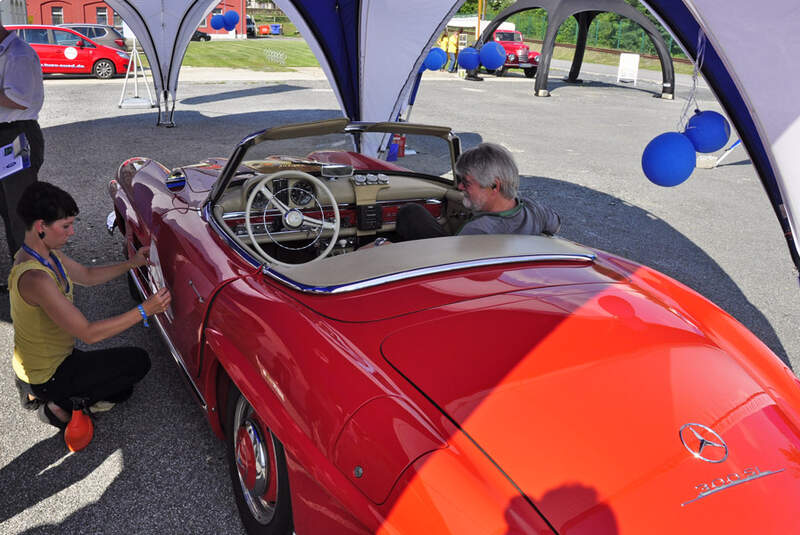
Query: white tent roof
[[372, 49]]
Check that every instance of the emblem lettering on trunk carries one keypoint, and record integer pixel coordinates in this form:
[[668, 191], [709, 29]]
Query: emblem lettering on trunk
[[729, 480]]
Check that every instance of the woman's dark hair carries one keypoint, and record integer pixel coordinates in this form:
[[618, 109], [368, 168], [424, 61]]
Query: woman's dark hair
[[42, 200]]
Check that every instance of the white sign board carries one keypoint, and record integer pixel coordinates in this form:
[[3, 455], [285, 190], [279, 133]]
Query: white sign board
[[628, 70], [14, 157]]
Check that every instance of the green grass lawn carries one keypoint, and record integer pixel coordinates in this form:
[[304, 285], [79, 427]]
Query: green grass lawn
[[281, 54], [604, 58], [262, 54]]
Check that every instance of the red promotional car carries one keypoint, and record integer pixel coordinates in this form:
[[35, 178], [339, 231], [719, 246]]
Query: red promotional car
[[65, 51], [518, 54], [469, 384]]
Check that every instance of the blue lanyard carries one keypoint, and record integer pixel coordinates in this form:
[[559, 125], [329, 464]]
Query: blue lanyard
[[47, 264]]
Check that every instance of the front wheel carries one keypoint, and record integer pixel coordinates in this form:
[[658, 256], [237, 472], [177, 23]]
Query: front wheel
[[501, 71], [258, 471], [530, 72], [103, 69]]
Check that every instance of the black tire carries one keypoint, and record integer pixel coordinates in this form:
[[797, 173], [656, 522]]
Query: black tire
[[103, 69], [206, 38], [530, 72], [261, 488], [500, 72]]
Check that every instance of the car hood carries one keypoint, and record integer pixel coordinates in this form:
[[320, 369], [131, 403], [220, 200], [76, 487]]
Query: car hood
[[578, 394]]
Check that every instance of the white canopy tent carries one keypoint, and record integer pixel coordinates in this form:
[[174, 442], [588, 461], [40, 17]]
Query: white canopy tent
[[164, 28], [371, 51], [367, 48]]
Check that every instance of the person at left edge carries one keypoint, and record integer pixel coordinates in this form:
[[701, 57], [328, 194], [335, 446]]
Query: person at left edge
[[49, 369], [21, 98]]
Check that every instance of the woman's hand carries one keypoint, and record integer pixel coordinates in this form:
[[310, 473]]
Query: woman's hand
[[158, 302], [142, 256]]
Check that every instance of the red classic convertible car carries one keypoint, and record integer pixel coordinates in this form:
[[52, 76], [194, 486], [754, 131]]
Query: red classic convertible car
[[474, 384]]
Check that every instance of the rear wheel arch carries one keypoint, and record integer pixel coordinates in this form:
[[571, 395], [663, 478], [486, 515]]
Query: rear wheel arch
[[258, 469]]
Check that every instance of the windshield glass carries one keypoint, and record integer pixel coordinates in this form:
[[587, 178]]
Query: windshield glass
[[412, 154], [508, 36]]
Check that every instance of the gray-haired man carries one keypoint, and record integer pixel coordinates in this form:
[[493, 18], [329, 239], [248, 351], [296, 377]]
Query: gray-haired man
[[489, 179]]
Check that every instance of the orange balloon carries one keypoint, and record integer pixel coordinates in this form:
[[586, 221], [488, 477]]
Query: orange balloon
[[79, 432]]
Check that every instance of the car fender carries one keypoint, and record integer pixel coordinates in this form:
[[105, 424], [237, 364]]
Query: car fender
[[311, 471], [750, 353]]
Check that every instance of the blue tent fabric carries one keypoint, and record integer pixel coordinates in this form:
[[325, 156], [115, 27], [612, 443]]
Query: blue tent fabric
[[334, 24]]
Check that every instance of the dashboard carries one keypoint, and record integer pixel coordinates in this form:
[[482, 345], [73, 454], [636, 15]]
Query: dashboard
[[368, 205]]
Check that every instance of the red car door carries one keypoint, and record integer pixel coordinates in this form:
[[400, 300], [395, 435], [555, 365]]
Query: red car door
[[39, 39], [190, 259], [72, 51]]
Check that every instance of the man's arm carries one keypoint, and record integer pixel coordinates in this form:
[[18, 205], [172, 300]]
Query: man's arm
[[549, 219], [21, 72], [6, 102]]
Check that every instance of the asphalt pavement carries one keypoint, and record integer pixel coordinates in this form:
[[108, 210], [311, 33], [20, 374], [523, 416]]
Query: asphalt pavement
[[154, 465]]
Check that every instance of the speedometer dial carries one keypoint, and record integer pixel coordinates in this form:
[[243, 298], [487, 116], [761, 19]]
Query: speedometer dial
[[302, 193]]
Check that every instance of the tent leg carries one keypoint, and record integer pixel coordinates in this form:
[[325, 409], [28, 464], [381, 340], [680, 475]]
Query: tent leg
[[166, 110]]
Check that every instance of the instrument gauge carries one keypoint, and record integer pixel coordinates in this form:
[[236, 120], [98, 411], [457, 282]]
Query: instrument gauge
[[302, 193]]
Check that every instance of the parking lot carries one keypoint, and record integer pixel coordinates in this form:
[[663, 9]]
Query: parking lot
[[154, 465]]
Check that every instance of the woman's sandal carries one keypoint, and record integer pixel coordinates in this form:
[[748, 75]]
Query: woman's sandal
[[47, 416]]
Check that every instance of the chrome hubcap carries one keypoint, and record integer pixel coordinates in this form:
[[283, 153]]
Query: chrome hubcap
[[104, 69], [254, 454]]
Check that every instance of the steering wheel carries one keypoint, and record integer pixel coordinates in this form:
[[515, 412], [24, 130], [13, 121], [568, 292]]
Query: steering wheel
[[293, 218]]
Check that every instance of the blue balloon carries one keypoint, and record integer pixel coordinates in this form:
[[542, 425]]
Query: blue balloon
[[493, 55], [669, 159], [231, 18], [708, 131], [435, 59], [229, 27], [469, 58], [217, 22]]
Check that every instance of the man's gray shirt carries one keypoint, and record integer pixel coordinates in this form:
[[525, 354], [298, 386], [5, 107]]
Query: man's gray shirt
[[527, 217]]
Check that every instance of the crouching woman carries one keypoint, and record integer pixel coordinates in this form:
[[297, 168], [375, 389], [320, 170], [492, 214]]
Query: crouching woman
[[49, 370]]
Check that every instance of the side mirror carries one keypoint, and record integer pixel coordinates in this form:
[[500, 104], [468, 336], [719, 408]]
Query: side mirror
[[81, 43]]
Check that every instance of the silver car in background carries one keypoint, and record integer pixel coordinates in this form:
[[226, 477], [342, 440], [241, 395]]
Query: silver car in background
[[101, 33]]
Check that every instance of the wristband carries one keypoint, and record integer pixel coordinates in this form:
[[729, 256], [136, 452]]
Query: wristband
[[144, 315]]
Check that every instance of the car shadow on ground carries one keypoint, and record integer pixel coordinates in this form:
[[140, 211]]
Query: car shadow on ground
[[142, 469], [242, 93], [153, 465], [83, 76], [605, 222], [556, 82]]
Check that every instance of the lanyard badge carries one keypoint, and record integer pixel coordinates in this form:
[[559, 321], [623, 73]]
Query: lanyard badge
[[47, 264]]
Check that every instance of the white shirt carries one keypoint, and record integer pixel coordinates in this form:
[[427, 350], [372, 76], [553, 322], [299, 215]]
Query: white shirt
[[20, 78]]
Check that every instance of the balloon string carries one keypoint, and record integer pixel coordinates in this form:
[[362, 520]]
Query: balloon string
[[698, 65]]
